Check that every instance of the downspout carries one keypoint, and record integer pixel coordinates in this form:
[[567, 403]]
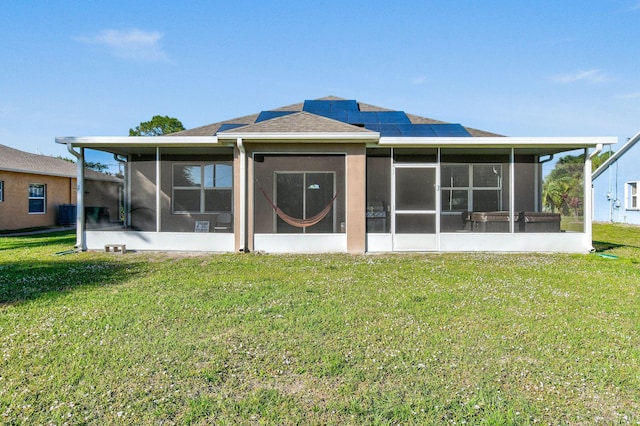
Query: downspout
[[243, 196], [588, 195], [80, 240], [125, 202]]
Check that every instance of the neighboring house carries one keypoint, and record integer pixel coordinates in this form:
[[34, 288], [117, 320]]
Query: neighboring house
[[616, 185], [337, 175], [38, 190]]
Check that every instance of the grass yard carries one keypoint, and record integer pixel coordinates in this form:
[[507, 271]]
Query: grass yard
[[144, 338]]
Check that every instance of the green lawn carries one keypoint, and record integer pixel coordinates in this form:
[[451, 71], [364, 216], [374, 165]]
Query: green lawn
[[143, 338]]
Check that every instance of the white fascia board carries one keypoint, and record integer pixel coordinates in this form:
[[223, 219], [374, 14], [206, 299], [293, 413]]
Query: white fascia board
[[150, 141], [302, 136], [493, 142]]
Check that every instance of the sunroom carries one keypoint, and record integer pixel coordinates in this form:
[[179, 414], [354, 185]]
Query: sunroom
[[336, 175]]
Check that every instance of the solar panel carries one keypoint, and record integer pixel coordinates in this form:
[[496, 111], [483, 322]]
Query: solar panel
[[317, 107], [393, 117], [418, 130], [268, 115], [450, 130], [387, 130], [343, 105], [229, 126]]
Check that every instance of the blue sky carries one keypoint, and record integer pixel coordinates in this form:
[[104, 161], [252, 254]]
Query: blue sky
[[542, 68]]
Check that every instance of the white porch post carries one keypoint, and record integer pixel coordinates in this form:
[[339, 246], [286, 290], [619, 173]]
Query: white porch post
[[80, 240], [243, 196], [588, 195], [158, 198]]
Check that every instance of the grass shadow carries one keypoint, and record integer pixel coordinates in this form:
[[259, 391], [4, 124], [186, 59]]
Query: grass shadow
[[602, 246], [22, 281], [8, 242]]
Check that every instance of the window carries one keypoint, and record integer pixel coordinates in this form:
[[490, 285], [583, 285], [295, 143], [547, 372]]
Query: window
[[37, 198], [202, 188], [471, 187], [302, 195], [1, 191], [631, 196]]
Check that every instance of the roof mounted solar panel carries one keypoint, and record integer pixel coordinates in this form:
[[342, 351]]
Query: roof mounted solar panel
[[317, 107], [416, 130], [229, 126], [450, 130], [268, 115], [343, 105], [393, 117], [387, 130]]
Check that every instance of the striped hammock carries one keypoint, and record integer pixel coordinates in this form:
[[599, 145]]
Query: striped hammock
[[300, 223]]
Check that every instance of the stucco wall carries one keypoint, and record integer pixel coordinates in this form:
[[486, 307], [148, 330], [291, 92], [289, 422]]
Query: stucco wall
[[14, 210], [355, 185], [612, 181]]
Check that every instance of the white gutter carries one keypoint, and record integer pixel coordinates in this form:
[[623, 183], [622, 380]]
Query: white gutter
[[588, 195], [484, 142], [80, 240], [243, 196], [137, 141], [302, 136]]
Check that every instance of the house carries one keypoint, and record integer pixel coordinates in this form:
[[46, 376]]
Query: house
[[615, 185], [38, 190], [337, 175]]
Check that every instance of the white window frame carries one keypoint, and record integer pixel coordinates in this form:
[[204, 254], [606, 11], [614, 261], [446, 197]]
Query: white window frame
[[202, 188], [471, 187], [43, 197], [631, 195], [304, 193]]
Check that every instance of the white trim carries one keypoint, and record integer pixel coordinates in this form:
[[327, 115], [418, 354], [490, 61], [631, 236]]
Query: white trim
[[488, 142], [43, 198], [302, 136], [300, 243], [163, 241], [527, 242], [137, 141], [628, 196]]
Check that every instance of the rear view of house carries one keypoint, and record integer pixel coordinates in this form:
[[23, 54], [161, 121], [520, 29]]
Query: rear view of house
[[337, 175]]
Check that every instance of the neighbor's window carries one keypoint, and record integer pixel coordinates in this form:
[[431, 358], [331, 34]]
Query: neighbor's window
[[471, 187], [37, 198], [631, 196], [1, 191], [202, 188]]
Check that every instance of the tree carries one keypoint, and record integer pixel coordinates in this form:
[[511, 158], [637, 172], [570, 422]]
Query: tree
[[93, 165], [562, 190], [159, 125]]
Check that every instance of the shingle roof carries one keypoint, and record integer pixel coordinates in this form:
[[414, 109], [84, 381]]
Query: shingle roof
[[14, 160], [299, 122]]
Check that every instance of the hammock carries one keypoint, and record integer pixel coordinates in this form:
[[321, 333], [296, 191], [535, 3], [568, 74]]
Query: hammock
[[300, 223]]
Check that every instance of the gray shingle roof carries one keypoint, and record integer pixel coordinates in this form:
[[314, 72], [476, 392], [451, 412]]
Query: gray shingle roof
[[14, 160], [300, 122], [212, 129]]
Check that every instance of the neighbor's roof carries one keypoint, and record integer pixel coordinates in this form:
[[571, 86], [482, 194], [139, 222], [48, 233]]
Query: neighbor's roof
[[313, 117], [619, 153], [14, 160]]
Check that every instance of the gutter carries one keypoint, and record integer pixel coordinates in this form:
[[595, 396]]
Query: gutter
[[80, 239]]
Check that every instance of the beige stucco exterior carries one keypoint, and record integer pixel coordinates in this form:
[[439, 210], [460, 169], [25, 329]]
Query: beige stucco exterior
[[355, 168], [14, 210]]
